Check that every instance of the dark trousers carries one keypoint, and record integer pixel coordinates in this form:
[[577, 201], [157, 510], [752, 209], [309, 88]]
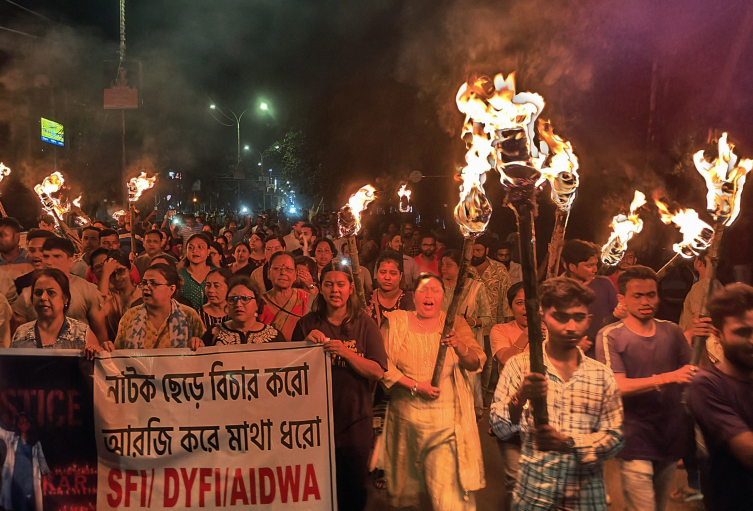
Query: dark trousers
[[352, 472]]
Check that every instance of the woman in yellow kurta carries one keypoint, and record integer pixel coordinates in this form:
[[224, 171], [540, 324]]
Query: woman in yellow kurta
[[431, 438]]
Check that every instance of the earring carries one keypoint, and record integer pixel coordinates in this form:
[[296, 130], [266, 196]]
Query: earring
[[256, 314]]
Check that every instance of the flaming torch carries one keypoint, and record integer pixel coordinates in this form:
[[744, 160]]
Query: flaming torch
[[52, 184], [624, 228], [696, 235], [4, 172], [501, 124], [349, 222], [137, 186], [724, 180], [404, 206], [560, 167]]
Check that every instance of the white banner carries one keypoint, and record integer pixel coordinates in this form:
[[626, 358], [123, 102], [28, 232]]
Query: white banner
[[234, 427]]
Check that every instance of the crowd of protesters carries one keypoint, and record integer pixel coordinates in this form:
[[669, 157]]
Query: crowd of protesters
[[616, 381]]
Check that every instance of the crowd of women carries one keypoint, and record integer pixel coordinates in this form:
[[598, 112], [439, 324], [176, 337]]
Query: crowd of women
[[194, 288]]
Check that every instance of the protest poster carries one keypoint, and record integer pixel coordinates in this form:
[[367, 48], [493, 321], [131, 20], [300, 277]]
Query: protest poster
[[242, 427], [47, 443]]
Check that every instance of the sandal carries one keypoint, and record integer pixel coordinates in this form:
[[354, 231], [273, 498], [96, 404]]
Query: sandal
[[686, 494]]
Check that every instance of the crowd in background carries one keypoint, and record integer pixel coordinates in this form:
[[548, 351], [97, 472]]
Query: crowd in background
[[614, 381]]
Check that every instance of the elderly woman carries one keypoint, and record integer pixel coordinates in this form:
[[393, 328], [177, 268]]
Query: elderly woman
[[244, 303], [160, 322], [117, 289], [431, 442], [358, 361], [51, 296], [216, 310], [286, 303]]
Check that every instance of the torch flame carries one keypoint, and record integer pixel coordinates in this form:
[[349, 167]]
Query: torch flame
[[559, 165], [349, 218], [77, 202], [118, 214], [139, 185], [4, 171], [624, 227], [724, 181], [51, 184], [696, 234], [404, 195]]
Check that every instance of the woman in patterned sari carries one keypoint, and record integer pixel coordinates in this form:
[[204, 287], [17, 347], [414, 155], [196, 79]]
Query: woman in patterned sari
[[431, 439], [285, 303], [160, 322]]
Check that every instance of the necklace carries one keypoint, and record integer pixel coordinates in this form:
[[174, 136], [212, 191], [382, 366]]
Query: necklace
[[419, 323]]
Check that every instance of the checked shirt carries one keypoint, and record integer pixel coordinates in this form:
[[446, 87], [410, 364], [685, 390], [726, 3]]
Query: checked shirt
[[587, 408]]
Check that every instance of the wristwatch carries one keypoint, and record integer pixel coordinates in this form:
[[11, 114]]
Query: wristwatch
[[414, 389]]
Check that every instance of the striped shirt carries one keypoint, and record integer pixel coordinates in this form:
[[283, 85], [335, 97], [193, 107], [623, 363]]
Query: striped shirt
[[586, 408]]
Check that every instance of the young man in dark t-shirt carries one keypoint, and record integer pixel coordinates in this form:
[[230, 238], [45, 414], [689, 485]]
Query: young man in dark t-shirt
[[720, 400], [581, 263], [650, 360]]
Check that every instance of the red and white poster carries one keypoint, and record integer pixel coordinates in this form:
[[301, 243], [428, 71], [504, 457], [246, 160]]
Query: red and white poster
[[243, 427]]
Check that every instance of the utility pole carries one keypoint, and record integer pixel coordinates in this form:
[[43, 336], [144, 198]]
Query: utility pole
[[124, 177]]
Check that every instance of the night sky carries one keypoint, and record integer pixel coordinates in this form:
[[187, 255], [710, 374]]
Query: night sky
[[373, 85]]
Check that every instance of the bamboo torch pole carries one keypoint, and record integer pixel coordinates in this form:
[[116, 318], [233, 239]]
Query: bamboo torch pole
[[699, 341], [4, 172], [449, 322], [355, 266], [132, 211], [556, 243]]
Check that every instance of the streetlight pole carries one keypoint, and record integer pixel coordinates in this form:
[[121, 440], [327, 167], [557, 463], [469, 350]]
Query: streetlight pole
[[235, 119]]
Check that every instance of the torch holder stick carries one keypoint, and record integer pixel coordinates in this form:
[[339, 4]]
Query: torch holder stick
[[524, 209], [556, 243], [2, 211], [132, 210], [355, 266], [664, 271], [699, 341], [67, 232], [449, 322]]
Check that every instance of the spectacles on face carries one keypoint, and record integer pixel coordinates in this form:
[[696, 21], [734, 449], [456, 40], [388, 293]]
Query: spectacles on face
[[152, 284], [244, 299], [98, 267], [283, 269]]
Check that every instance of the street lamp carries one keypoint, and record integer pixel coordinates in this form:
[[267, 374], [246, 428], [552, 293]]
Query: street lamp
[[235, 119], [264, 106]]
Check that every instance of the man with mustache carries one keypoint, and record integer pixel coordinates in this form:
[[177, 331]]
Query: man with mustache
[[650, 359]]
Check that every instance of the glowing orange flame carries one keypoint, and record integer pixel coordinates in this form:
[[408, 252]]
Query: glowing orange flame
[[51, 184], [349, 218], [139, 185], [4, 171], [559, 165], [696, 234], [724, 181], [118, 214], [404, 194], [624, 227], [77, 202]]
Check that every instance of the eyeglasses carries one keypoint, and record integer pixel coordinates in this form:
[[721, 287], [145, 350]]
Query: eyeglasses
[[233, 300], [151, 284], [283, 269]]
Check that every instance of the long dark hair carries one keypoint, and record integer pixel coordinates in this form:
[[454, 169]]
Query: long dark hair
[[353, 305], [32, 436]]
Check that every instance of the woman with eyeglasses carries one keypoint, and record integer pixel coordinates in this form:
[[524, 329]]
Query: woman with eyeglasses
[[286, 303], [216, 310], [241, 266], [358, 360], [324, 251], [117, 289], [160, 322], [51, 296], [244, 302], [195, 269], [256, 244], [217, 255], [431, 441]]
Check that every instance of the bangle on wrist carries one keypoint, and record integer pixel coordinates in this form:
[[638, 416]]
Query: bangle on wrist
[[414, 389]]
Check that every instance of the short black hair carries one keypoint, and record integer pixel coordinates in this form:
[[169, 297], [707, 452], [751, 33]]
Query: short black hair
[[564, 292], [578, 251], [90, 227], [155, 231], [389, 256], [120, 257], [431, 235], [453, 255], [636, 272], [59, 277], [731, 302], [108, 232], [98, 252], [503, 245], [482, 240], [56, 243], [319, 241], [273, 237], [513, 292], [12, 223], [281, 253], [39, 233]]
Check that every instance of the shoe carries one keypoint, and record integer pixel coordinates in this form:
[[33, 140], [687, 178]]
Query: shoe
[[686, 494]]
